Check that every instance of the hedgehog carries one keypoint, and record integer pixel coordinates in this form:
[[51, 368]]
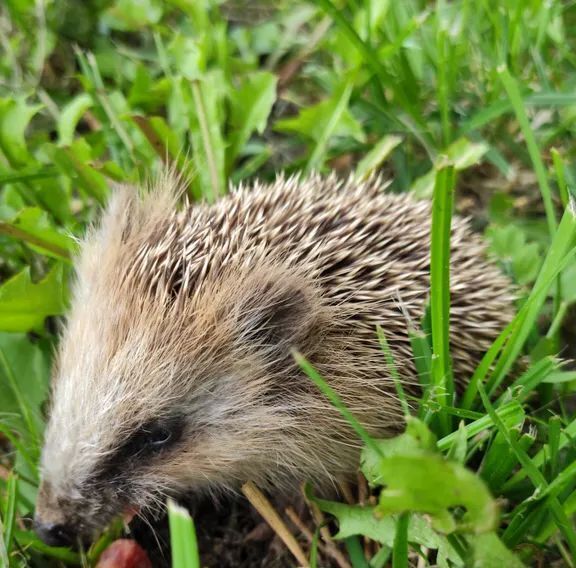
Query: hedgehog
[[175, 371]]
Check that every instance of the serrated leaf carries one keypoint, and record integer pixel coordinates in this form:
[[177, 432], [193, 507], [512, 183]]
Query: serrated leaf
[[416, 477], [250, 108], [358, 520], [416, 438], [24, 305], [428, 483]]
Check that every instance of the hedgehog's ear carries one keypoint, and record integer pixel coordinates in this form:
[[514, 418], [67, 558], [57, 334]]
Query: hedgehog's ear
[[278, 312]]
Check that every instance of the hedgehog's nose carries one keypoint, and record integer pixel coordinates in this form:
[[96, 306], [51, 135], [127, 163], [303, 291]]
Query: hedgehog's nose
[[54, 534]]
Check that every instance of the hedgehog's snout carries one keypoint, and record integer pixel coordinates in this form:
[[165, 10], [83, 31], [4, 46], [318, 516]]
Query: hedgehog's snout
[[54, 534], [62, 521]]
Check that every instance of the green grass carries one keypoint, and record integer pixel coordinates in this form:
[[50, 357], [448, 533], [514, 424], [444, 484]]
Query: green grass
[[470, 104]]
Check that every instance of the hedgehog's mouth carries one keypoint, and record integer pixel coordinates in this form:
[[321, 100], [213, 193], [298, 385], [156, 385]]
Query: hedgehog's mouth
[[129, 513]]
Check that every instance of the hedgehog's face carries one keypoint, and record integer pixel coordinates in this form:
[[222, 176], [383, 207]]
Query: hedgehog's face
[[156, 398]]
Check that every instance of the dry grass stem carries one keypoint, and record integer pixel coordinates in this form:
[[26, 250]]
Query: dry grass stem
[[259, 501]]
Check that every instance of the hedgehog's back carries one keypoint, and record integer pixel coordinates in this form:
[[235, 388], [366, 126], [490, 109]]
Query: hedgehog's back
[[367, 250]]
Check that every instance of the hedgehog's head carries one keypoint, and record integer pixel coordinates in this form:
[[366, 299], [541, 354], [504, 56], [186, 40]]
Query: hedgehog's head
[[162, 386]]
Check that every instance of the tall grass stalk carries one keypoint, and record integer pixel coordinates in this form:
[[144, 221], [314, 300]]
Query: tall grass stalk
[[442, 378]]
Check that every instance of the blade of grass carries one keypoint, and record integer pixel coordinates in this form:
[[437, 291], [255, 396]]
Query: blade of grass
[[380, 559], [355, 552], [3, 548], [558, 257], [319, 152], [23, 449], [333, 397], [554, 427], [183, 541], [499, 461], [393, 370], [207, 141], [373, 60], [538, 480], [560, 313], [566, 437], [511, 86], [29, 539], [560, 176], [530, 379], [511, 415], [314, 549], [549, 527], [442, 377], [30, 173], [443, 44], [89, 66], [24, 409], [9, 510], [400, 549]]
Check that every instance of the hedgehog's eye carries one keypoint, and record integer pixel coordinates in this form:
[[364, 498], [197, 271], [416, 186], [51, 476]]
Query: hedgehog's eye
[[159, 435], [153, 437]]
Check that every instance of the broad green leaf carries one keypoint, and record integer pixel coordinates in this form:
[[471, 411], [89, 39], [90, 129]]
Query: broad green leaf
[[374, 158], [417, 478], [15, 115], [188, 56], [416, 438], [526, 266], [24, 305], [33, 226], [313, 121], [428, 483], [24, 377], [163, 139], [74, 161], [56, 196], [509, 244], [250, 107], [462, 154], [10, 203], [132, 15], [490, 552], [70, 116]]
